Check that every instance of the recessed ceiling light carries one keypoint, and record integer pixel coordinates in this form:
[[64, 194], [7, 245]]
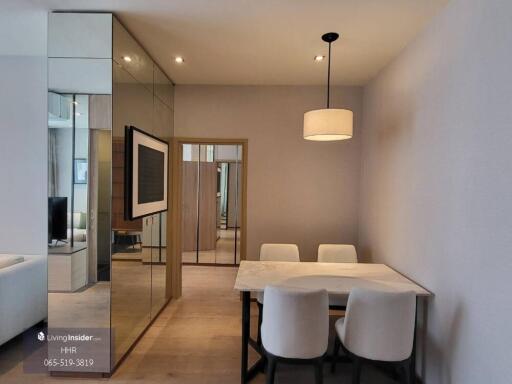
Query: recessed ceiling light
[[179, 59], [127, 58], [319, 58], [78, 114]]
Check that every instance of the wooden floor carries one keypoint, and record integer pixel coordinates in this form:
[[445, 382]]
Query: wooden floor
[[224, 252], [195, 340]]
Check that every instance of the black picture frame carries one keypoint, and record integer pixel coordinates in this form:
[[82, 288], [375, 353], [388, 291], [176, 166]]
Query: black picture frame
[[80, 171], [133, 208]]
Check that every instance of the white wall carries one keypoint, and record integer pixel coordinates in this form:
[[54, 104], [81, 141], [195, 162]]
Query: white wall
[[437, 184], [23, 126], [298, 191]]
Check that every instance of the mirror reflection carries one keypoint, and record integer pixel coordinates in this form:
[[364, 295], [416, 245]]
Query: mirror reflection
[[142, 95], [211, 203], [78, 211], [105, 271]]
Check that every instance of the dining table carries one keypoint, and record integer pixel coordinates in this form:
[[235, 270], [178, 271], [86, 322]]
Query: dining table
[[335, 278]]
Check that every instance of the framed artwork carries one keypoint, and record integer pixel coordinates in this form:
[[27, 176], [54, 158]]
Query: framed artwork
[[80, 170], [146, 164]]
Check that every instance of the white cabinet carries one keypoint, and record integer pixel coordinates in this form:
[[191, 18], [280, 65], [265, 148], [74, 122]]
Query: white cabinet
[[67, 272], [80, 35], [88, 76]]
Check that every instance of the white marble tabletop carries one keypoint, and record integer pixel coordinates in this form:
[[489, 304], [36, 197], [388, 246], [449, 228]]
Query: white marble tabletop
[[337, 278]]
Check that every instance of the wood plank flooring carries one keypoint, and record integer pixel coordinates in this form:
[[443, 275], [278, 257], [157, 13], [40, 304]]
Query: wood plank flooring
[[224, 252], [195, 340]]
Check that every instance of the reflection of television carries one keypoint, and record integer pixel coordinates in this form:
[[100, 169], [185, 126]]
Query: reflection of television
[[57, 218]]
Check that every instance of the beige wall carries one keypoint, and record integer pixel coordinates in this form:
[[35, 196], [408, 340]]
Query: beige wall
[[298, 191], [437, 179]]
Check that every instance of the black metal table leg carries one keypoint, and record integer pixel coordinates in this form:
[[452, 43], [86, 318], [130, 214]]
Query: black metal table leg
[[246, 327], [248, 373], [412, 368]]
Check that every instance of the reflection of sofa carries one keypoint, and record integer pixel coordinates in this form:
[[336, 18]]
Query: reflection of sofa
[[79, 226], [23, 294]]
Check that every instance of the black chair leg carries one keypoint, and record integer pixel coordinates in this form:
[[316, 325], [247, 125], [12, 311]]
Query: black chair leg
[[260, 320], [319, 371], [356, 370], [271, 369], [405, 368], [337, 344]]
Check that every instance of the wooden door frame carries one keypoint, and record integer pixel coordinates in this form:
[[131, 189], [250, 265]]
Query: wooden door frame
[[174, 263]]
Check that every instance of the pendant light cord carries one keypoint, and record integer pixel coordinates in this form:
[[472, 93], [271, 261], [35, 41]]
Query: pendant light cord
[[329, 77]]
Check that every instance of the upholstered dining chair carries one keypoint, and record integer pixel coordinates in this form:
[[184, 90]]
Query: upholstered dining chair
[[337, 253], [279, 252], [378, 327], [274, 252], [295, 328]]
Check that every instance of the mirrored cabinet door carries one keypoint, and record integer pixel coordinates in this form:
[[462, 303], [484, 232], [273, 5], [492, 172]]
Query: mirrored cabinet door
[[107, 273], [131, 271], [79, 174]]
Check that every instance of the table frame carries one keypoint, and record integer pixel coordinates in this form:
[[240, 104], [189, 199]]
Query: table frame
[[248, 373]]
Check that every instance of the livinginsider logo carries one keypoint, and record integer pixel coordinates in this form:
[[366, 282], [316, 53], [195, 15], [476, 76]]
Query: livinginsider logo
[[66, 338]]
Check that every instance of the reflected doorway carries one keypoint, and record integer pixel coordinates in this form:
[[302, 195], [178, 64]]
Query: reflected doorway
[[212, 203]]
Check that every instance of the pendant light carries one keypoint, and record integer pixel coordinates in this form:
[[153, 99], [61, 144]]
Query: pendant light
[[328, 124]]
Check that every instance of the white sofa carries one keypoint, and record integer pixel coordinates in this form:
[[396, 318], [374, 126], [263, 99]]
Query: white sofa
[[23, 295]]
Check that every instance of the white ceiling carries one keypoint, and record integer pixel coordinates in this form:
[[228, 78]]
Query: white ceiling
[[265, 41]]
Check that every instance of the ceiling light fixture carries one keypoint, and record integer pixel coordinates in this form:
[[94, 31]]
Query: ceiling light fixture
[[328, 124], [179, 59], [319, 58], [74, 102], [78, 114], [127, 58]]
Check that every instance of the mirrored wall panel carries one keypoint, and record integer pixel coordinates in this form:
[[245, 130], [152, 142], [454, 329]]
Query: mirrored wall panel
[[107, 273], [142, 95], [79, 190]]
